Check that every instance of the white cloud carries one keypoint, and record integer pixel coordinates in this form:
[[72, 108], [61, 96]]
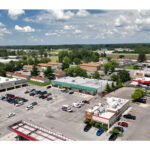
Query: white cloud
[[67, 27], [77, 31], [121, 20], [1, 24], [61, 14], [24, 29], [15, 13], [51, 34], [4, 31], [82, 13]]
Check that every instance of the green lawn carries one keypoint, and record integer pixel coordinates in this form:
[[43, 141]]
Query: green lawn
[[39, 83], [10, 77], [129, 67], [54, 58]]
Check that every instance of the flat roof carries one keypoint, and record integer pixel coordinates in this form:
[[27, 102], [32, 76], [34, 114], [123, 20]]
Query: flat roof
[[36, 133], [93, 83], [3, 79], [107, 110]]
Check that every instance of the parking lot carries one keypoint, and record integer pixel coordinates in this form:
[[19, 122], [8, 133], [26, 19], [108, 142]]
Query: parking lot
[[49, 113]]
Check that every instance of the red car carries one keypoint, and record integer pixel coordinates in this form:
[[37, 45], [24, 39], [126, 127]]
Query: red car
[[124, 124], [26, 92], [85, 102]]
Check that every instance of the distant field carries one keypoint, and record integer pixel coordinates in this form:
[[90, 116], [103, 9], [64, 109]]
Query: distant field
[[131, 56], [54, 58]]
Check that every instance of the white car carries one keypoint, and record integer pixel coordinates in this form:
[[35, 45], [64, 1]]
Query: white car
[[10, 115], [77, 105], [29, 107]]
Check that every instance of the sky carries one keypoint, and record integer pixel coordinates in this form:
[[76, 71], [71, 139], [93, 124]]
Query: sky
[[52, 27]]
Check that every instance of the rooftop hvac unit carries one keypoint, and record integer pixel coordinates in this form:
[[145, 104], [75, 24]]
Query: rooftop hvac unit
[[114, 106], [96, 113], [102, 109]]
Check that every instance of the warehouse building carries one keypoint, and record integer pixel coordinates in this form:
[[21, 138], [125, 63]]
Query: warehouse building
[[6, 83], [83, 85], [93, 66], [107, 113]]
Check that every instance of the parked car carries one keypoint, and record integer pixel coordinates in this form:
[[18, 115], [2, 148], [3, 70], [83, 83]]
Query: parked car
[[10, 115], [129, 116], [71, 92], [10, 95], [44, 92], [26, 92], [81, 103], [120, 129], [49, 98], [43, 96], [142, 100], [48, 87], [29, 107], [124, 124], [87, 128], [32, 94], [113, 137], [34, 103], [85, 102], [48, 94], [100, 131], [77, 105], [66, 108], [32, 90], [19, 104]]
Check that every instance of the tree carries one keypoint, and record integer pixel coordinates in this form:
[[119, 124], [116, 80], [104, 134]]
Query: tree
[[24, 57], [2, 72], [141, 57], [48, 73], [108, 89], [66, 62], [77, 61], [96, 75], [135, 67], [121, 56], [76, 71], [124, 75], [138, 93], [34, 71], [106, 68], [114, 77], [113, 86]]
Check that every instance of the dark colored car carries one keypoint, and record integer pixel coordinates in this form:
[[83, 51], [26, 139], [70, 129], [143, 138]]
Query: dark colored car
[[48, 87], [129, 116], [34, 103], [44, 92], [120, 129], [32, 94], [113, 137], [10, 95], [87, 128], [48, 94], [26, 92], [85, 102], [124, 124], [32, 90], [43, 96], [71, 92], [49, 98], [142, 100]]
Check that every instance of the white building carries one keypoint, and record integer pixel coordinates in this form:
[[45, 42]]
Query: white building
[[109, 112], [39, 79], [6, 83]]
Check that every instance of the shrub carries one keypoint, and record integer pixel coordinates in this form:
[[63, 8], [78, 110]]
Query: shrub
[[92, 123], [86, 121], [97, 125]]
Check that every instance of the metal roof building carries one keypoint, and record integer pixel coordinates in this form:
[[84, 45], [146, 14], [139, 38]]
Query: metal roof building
[[36, 133], [83, 84]]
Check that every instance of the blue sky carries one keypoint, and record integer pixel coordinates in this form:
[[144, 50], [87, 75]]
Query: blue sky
[[32, 27]]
